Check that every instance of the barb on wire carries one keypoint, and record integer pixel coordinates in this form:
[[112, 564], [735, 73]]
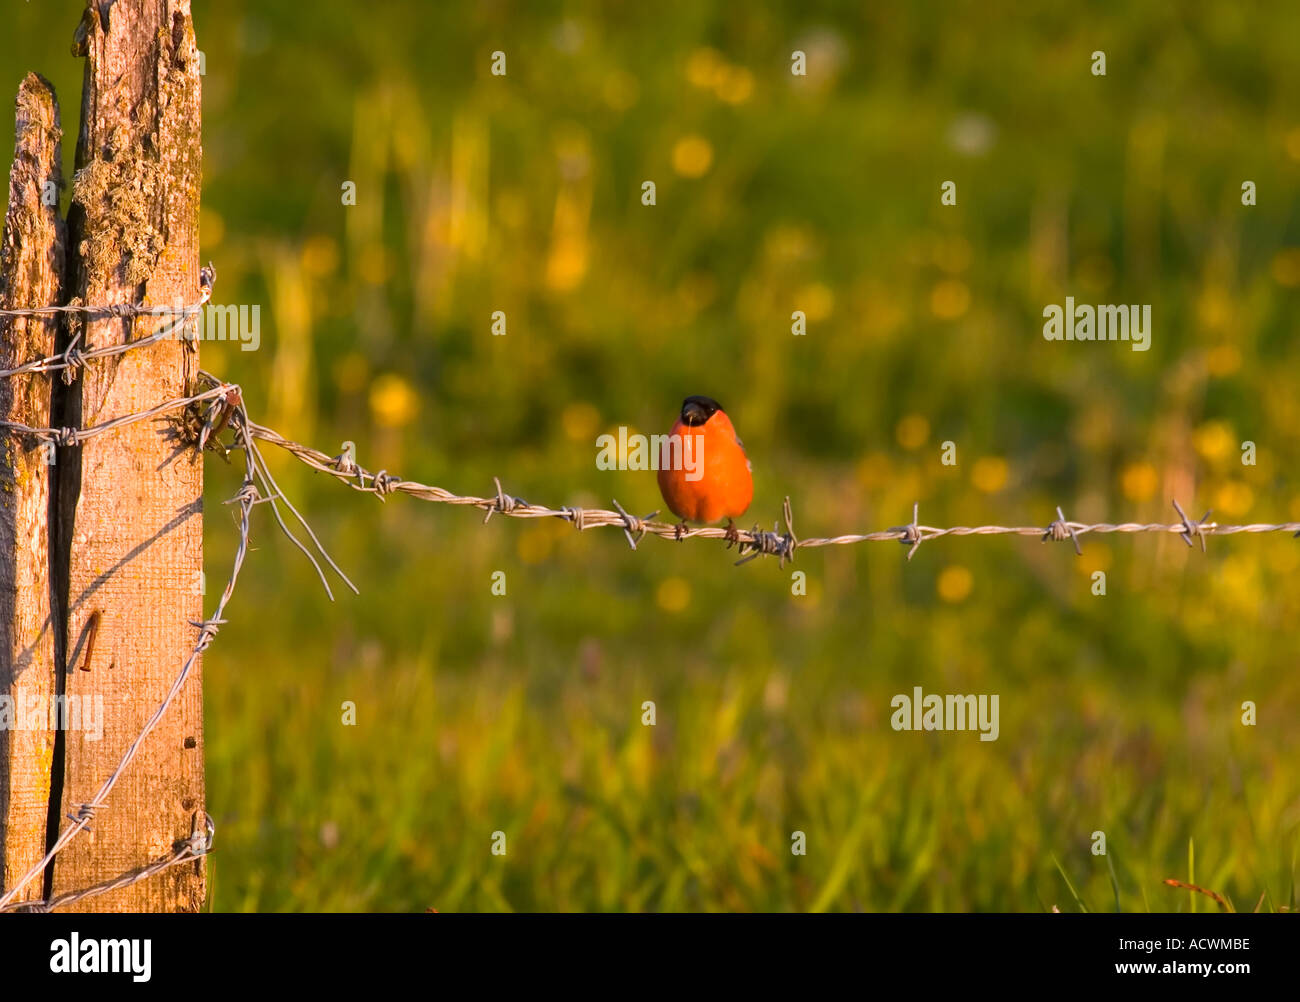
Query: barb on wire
[[1192, 527], [782, 546], [911, 537], [633, 524], [1061, 530]]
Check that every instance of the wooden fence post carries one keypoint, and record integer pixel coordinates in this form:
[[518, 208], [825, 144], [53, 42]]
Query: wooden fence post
[[131, 503], [126, 539], [31, 274]]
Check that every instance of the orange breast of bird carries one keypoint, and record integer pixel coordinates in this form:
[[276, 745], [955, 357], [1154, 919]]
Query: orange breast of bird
[[712, 479]]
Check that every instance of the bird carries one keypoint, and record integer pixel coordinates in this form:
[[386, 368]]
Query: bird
[[704, 473]]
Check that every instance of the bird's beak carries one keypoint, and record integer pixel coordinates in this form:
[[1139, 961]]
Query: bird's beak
[[693, 414]]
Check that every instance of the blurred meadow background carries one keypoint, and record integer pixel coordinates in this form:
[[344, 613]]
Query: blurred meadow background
[[775, 193]]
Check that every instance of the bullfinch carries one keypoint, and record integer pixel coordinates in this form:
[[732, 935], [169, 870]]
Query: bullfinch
[[704, 474]]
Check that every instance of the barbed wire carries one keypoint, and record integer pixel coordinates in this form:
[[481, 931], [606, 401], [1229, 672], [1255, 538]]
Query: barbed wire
[[197, 845], [227, 410], [228, 397], [246, 498], [72, 359], [755, 542], [75, 436], [255, 472]]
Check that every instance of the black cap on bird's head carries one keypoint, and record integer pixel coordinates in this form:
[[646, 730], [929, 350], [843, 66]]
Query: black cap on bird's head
[[697, 410]]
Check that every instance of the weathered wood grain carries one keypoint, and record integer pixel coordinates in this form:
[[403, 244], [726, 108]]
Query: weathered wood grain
[[31, 274]]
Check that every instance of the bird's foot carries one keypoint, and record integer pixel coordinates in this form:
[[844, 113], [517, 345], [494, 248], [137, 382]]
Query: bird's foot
[[681, 527], [731, 535]]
